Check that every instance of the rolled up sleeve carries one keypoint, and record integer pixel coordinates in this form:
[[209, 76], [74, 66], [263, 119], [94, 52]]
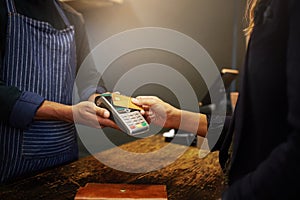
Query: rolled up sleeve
[[24, 110]]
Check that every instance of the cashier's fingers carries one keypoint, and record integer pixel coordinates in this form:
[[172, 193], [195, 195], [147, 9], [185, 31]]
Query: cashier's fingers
[[87, 113], [101, 112], [107, 123], [102, 118]]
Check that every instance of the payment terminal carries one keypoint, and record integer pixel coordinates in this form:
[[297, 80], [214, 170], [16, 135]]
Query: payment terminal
[[122, 111]]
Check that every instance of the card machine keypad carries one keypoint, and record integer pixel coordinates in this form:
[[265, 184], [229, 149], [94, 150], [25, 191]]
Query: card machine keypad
[[129, 120]]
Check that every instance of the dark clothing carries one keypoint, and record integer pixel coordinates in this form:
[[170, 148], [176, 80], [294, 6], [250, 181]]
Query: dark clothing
[[42, 10], [266, 128], [39, 60]]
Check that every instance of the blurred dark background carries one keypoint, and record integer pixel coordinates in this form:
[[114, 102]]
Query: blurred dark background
[[215, 24]]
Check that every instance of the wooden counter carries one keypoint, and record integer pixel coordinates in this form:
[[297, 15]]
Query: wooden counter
[[187, 178]]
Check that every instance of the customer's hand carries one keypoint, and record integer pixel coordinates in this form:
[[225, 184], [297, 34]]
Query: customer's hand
[[165, 115], [158, 112]]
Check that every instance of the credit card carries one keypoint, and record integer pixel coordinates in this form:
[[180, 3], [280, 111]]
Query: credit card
[[123, 101]]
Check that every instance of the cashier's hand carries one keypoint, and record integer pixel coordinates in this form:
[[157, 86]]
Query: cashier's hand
[[87, 113], [158, 112]]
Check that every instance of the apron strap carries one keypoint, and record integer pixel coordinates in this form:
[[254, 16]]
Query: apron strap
[[62, 13], [11, 6]]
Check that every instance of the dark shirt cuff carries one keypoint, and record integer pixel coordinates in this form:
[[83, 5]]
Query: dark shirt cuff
[[24, 110], [217, 131], [85, 94]]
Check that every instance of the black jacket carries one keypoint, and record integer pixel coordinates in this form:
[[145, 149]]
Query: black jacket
[[266, 123]]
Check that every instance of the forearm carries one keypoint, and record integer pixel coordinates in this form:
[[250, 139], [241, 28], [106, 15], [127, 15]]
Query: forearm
[[193, 122], [54, 111]]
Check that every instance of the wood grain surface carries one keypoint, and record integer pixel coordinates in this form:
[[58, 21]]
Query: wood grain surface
[[186, 176]]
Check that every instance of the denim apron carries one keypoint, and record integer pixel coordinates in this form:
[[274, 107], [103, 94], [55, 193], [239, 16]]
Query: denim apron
[[40, 59]]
